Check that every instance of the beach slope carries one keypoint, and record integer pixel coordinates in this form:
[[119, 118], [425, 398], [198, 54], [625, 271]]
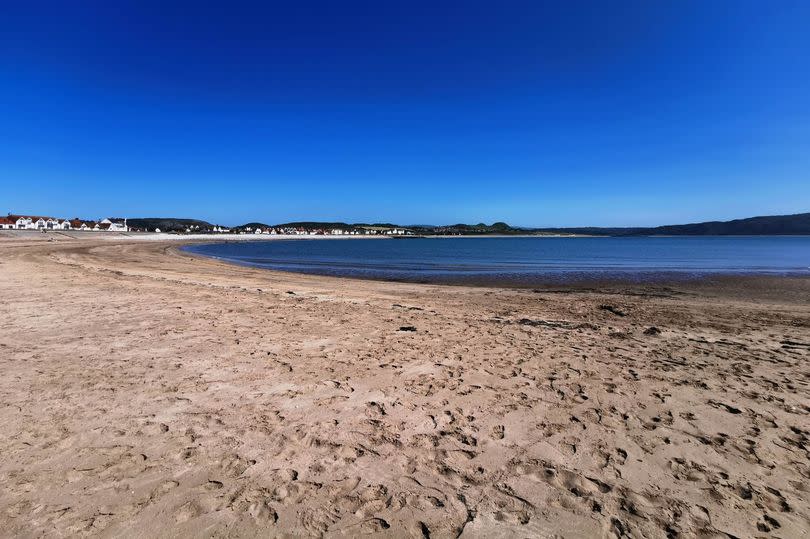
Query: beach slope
[[147, 392]]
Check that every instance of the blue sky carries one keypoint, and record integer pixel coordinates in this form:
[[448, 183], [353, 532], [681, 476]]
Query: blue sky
[[535, 113]]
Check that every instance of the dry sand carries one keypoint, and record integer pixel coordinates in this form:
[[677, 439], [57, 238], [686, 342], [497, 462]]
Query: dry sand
[[145, 393]]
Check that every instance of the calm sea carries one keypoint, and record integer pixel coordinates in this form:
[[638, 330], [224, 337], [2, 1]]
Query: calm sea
[[527, 261]]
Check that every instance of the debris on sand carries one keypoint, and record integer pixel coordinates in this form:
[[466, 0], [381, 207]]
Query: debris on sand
[[612, 309], [544, 323], [407, 328], [793, 343], [399, 305], [652, 330], [557, 324]]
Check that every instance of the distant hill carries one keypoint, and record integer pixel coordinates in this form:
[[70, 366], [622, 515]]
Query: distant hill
[[252, 225], [797, 224], [168, 224], [774, 225]]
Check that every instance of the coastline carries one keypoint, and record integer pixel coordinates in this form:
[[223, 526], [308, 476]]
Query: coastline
[[150, 391], [506, 277]]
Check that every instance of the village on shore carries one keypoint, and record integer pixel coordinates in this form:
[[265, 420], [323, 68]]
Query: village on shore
[[44, 224], [183, 226]]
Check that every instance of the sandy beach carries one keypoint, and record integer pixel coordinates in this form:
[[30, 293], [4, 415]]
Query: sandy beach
[[146, 392]]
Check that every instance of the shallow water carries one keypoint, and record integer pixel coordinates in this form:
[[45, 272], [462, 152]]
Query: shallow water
[[532, 260]]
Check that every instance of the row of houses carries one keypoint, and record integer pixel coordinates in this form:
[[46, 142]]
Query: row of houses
[[328, 232], [34, 222]]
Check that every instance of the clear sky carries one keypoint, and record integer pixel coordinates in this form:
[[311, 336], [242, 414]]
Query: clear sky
[[536, 113]]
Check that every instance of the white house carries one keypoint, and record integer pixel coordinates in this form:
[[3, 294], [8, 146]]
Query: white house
[[23, 223], [114, 226], [28, 222]]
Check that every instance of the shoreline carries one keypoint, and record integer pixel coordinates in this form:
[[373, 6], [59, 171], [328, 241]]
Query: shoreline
[[572, 279], [147, 391], [553, 282], [213, 238], [783, 287]]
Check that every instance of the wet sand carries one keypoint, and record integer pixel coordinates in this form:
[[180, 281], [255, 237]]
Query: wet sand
[[147, 392]]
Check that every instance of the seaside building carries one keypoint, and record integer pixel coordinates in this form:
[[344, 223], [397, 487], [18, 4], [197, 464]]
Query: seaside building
[[114, 225]]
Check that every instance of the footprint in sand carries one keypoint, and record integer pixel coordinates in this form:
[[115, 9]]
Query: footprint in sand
[[262, 511]]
